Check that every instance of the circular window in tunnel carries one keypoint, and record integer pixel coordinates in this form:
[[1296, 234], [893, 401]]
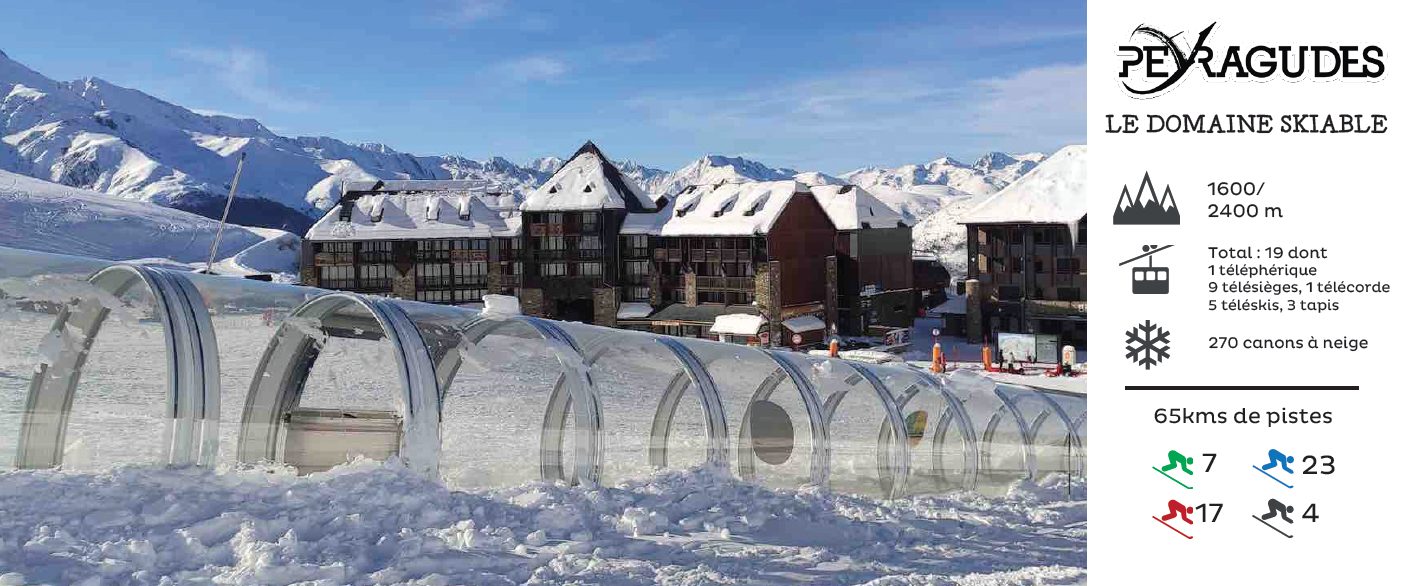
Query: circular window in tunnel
[[744, 377], [771, 432]]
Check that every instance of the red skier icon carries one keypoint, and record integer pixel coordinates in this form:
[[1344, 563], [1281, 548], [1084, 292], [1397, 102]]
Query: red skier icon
[[1176, 509], [1277, 459]]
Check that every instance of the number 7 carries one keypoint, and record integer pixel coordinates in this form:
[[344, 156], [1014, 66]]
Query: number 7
[[1211, 458]]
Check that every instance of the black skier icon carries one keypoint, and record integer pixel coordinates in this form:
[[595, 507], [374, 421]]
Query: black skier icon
[[1277, 459], [1149, 280], [1147, 208], [1277, 508], [1176, 509]]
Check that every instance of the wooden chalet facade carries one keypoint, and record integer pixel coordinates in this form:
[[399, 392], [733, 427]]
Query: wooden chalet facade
[[1027, 263], [588, 245]]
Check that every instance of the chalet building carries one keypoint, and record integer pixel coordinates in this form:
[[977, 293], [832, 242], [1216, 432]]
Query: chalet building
[[735, 262], [434, 241], [1027, 254], [874, 245]]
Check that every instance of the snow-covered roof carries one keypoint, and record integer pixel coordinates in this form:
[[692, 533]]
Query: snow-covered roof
[[804, 323], [851, 207], [634, 310], [413, 216], [738, 324], [646, 223], [730, 209], [589, 181], [1054, 192], [400, 185]]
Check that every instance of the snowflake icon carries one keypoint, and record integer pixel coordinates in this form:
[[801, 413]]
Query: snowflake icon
[[1147, 344]]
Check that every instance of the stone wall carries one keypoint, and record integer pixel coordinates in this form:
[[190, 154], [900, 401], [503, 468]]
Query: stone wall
[[606, 306], [831, 293], [404, 285], [532, 302], [973, 311], [690, 281], [308, 273], [768, 297], [654, 285], [493, 282]]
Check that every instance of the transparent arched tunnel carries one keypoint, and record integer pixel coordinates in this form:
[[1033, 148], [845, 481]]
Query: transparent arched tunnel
[[104, 363]]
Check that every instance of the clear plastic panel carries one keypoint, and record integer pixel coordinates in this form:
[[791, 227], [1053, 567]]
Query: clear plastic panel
[[942, 439], [774, 416], [864, 426], [104, 362]]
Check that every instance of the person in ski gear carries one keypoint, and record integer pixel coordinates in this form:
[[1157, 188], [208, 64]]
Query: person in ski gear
[[1277, 458], [1176, 508], [1175, 459], [1277, 508]]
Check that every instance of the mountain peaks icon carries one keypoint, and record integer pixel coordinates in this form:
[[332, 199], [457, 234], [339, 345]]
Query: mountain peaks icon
[[1147, 208]]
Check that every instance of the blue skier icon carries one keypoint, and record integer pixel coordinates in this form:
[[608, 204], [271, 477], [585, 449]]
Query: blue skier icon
[[1277, 459]]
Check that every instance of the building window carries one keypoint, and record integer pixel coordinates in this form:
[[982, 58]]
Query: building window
[[375, 252], [336, 277], [635, 293], [1044, 236], [590, 243], [636, 267], [469, 273], [554, 218], [590, 269], [433, 274], [589, 222], [375, 277], [679, 295], [552, 269]]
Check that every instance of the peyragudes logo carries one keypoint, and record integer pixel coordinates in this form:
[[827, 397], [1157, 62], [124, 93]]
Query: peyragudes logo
[[1154, 62]]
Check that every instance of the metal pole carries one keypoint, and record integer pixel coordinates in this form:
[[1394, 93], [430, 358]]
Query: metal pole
[[229, 198]]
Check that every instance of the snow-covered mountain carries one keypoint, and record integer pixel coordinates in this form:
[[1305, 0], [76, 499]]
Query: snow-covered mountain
[[48, 217], [95, 135], [1052, 190], [122, 142]]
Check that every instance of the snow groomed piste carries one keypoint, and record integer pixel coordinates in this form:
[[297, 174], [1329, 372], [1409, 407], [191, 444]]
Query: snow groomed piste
[[140, 364]]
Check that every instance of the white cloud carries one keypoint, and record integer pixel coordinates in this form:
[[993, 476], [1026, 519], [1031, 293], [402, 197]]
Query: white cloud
[[916, 108], [532, 69], [466, 12], [246, 73]]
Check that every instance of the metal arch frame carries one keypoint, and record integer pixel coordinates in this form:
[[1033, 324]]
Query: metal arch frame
[[895, 468], [718, 436], [819, 428], [193, 392], [1027, 447], [582, 396], [1072, 438], [291, 354], [956, 411]]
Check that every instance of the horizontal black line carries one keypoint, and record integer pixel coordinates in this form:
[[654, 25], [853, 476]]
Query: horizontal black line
[[1241, 387]]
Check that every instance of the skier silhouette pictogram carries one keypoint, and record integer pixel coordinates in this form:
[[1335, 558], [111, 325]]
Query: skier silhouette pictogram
[[1278, 508], [1176, 509], [1277, 458], [1176, 459]]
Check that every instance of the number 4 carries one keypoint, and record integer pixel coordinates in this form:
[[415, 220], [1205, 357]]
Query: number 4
[[1310, 513]]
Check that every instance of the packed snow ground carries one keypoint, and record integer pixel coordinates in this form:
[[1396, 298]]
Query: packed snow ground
[[375, 523]]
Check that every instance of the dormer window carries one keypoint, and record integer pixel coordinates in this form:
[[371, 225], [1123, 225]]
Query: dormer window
[[346, 211], [554, 188], [846, 189], [757, 206], [865, 225], [589, 188], [725, 207], [686, 208]]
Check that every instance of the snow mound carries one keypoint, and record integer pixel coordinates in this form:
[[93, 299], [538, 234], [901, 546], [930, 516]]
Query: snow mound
[[375, 523], [48, 217]]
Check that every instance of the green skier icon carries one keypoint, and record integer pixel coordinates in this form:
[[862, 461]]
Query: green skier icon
[[1176, 460]]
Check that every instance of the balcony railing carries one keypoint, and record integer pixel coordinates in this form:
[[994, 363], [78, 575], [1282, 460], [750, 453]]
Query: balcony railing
[[550, 255], [674, 255], [510, 281], [698, 255], [637, 252], [588, 254], [469, 256], [726, 283], [323, 259]]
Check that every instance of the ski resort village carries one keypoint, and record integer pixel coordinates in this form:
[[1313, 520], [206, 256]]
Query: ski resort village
[[229, 356]]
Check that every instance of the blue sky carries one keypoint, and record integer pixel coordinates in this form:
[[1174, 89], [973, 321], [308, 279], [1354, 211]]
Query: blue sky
[[820, 85]]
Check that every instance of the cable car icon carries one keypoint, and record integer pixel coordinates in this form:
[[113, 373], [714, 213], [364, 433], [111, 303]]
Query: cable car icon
[[1149, 280]]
